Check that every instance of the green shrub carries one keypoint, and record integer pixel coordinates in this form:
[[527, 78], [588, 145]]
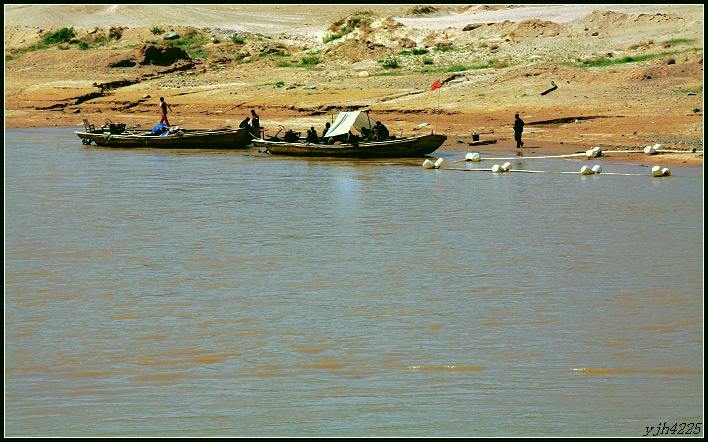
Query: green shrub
[[419, 51], [671, 61], [310, 61], [390, 63], [427, 60], [696, 110], [63, 35], [155, 30], [83, 46], [238, 40], [191, 41]]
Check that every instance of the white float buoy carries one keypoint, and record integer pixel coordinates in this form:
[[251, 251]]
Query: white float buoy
[[497, 169], [656, 170], [665, 171], [439, 162], [428, 164], [472, 156], [658, 146], [649, 150], [590, 153], [506, 166], [585, 170], [597, 150], [596, 168]]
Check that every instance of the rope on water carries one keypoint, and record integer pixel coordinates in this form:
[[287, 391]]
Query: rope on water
[[544, 171], [656, 171], [525, 158], [476, 157]]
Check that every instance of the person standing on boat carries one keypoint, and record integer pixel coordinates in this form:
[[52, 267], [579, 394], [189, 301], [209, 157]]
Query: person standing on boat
[[163, 110], [255, 124], [518, 130]]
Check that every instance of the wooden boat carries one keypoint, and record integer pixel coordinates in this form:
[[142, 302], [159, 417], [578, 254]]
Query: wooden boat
[[392, 147], [115, 135]]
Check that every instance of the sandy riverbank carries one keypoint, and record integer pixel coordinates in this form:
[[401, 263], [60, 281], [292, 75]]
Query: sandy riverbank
[[625, 106]]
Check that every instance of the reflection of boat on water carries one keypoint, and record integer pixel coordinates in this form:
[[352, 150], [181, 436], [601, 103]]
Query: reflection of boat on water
[[354, 147], [115, 135]]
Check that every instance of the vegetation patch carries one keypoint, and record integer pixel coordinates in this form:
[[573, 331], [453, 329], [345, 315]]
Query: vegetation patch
[[188, 42], [677, 41], [18, 53], [445, 48], [422, 10], [605, 61], [390, 63], [63, 35], [310, 61], [340, 28]]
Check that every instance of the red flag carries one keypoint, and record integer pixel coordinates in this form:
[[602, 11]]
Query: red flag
[[435, 85]]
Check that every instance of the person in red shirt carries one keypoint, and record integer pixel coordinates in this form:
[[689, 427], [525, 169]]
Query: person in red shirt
[[163, 110], [255, 120]]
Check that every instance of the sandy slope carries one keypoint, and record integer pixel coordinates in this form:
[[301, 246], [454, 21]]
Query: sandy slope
[[624, 106]]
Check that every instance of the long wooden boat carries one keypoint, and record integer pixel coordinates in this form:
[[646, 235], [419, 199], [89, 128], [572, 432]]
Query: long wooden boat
[[223, 138], [393, 148], [349, 145]]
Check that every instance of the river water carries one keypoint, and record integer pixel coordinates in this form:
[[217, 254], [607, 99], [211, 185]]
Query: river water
[[232, 293]]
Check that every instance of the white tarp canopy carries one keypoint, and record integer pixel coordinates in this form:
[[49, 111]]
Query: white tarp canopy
[[347, 120]]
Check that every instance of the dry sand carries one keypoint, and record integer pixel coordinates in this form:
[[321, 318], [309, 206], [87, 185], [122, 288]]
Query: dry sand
[[625, 106]]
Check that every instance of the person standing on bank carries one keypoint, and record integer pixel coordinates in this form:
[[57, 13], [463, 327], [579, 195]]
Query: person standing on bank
[[163, 110], [518, 130]]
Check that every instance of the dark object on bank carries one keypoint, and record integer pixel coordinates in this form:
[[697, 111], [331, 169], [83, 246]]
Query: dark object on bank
[[551, 89]]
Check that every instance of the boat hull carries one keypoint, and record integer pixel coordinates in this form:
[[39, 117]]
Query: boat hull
[[395, 148], [188, 139]]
